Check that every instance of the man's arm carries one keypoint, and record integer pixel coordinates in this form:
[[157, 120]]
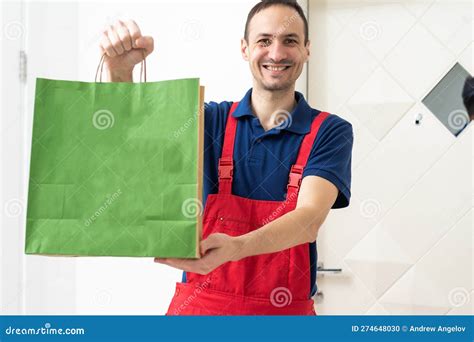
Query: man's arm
[[316, 197], [123, 46]]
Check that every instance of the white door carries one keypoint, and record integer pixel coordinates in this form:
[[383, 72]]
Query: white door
[[12, 157], [405, 242]]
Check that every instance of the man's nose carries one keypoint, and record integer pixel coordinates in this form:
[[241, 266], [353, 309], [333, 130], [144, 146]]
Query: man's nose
[[277, 51]]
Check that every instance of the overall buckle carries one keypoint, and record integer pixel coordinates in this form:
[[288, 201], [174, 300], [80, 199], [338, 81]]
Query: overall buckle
[[226, 168], [296, 175]]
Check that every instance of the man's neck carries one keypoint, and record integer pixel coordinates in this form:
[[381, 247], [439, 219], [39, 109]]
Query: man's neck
[[266, 105]]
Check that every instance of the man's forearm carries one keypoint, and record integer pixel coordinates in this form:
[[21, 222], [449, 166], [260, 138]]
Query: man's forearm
[[292, 229], [118, 76]]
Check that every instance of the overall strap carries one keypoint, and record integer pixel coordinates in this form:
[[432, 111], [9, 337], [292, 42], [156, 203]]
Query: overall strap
[[226, 162], [296, 172]]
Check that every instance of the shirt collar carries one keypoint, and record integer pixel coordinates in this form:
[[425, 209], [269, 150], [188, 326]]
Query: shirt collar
[[300, 121]]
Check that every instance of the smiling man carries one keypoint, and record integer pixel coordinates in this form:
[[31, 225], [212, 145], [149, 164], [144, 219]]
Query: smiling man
[[273, 169]]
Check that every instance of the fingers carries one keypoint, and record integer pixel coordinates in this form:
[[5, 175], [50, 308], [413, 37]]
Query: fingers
[[106, 45], [115, 40], [195, 266], [212, 241], [134, 31], [124, 35], [145, 43], [121, 37]]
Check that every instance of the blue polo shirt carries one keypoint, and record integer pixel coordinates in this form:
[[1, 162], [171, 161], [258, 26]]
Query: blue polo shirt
[[262, 159]]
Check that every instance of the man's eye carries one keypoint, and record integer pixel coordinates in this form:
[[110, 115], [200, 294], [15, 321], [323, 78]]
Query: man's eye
[[291, 41], [264, 42]]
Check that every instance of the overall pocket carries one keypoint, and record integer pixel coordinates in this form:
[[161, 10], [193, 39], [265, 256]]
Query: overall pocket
[[255, 276]]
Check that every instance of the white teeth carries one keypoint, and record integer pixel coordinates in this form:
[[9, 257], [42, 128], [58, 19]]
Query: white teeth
[[272, 68]]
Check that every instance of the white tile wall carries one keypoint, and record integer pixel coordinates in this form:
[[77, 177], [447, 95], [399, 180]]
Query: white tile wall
[[451, 23], [405, 242], [465, 59], [364, 140], [400, 159], [380, 102], [380, 28], [418, 60], [441, 280], [417, 7], [412, 222], [377, 310], [342, 55], [345, 291]]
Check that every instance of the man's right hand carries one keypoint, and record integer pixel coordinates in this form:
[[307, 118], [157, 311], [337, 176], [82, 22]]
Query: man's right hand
[[124, 47]]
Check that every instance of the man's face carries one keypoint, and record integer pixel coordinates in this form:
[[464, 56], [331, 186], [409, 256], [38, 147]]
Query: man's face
[[276, 50]]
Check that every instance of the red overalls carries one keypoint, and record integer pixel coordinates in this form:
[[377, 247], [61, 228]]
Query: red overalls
[[269, 284]]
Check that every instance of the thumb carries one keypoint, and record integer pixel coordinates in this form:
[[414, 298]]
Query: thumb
[[145, 42], [212, 241]]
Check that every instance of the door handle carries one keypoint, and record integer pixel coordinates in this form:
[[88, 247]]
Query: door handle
[[322, 270]]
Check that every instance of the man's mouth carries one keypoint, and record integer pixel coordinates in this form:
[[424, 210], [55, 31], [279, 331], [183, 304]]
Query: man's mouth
[[276, 67]]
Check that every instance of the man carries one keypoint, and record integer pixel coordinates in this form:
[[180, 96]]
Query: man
[[468, 96], [468, 100], [273, 168]]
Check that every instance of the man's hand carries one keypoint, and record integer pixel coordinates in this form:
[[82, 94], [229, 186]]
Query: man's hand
[[217, 249], [124, 47]]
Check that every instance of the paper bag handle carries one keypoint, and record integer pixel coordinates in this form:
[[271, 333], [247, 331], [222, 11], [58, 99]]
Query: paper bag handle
[[142, 68]]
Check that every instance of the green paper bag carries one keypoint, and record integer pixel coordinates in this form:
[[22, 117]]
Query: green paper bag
[[116, 169]]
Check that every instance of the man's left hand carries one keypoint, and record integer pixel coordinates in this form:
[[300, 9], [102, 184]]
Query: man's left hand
[[216, 250]]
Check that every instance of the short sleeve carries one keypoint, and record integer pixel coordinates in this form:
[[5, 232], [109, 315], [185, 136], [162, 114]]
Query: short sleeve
[[331, 157], [215, 117]]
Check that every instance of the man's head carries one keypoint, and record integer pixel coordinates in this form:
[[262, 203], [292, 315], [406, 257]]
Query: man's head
[[468, 96], [276, 44]]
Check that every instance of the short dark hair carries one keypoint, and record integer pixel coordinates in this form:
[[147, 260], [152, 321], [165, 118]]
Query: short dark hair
[[268, 3], [468, 95]]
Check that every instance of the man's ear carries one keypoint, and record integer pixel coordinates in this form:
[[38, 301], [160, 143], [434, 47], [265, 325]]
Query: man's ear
[[308, 50], [244, 49]]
